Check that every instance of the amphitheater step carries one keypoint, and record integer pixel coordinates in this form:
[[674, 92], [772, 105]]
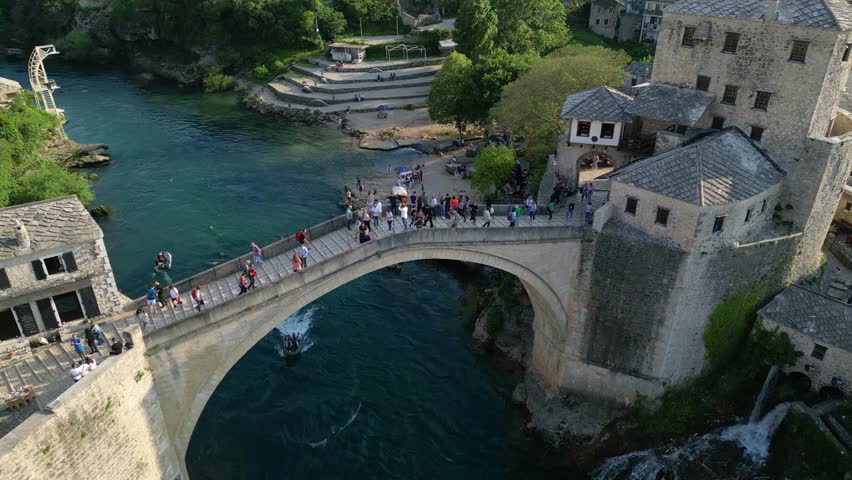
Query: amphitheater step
[[347, 77], [290, 93], [382, 65], [344, 88]]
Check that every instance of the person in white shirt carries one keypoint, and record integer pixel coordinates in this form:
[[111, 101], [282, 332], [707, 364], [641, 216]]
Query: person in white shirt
[[389, 218], [76, 372], [175, 296], [403, 214], [92, 363], [434, 204], [84, 368], [302, 251]]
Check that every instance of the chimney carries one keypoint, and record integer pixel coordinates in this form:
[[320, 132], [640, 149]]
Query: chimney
[[772, 11], [22, 237]]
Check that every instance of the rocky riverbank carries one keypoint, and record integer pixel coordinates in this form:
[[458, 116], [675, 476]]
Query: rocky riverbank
[[502, 322], [70, 154]]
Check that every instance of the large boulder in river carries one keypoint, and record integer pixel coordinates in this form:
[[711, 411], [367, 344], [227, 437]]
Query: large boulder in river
[[71, 154], [101, 211]]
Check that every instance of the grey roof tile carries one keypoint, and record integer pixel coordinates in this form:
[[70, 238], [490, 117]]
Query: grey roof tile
[[49, 223], [640, 69], [680, 106], [602, 103], [820, 317], [833, 14], [714, 169]]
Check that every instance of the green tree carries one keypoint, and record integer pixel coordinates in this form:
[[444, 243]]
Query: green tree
[[451, 97], [531, 26], [490, 76], [530, 105], [476, 28], [376, 11], [493, 167]]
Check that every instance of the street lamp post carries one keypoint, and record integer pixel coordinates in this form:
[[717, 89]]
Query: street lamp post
[[361, 25], [397, 26]]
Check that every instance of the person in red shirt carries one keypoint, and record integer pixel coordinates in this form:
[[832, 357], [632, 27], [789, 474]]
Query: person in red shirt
[[252, 276], [454, 203]]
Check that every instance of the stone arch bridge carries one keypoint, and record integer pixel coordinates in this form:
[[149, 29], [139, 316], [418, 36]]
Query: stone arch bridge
[[191, 352]]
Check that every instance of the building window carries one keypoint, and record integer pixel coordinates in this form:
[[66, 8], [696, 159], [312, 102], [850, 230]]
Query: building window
[[606, 21], [748, 215], [633, 82], [848, 207], [662, 216], [731, 41], [8, 325], [55, 265], [597, 21], [763, 207], [4, 280], [688, 37], [799, 51], [756, 133], [730, 95], [584, 128], [846, 52], [718, 123], [819, 351], [702, 83], [632, 203], [761, 102], [608, 130], [718, 224]]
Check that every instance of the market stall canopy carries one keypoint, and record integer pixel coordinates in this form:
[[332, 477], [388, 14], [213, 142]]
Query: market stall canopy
[[400, 191]]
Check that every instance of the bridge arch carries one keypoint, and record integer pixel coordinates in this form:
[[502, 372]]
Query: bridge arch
[[191, 358]]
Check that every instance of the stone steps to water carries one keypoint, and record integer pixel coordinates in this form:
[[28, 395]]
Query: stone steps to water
[[354, 107], [293, 94], [381, 65], [353, 88], [348, 77]]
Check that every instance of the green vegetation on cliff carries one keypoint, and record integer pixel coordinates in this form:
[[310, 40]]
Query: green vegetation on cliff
[[25, 174]]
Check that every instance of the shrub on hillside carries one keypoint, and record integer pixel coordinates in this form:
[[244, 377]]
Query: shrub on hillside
[[218, 82], [261, 72]]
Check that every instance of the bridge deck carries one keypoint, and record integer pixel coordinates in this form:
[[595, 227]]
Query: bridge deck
[[48, 369]]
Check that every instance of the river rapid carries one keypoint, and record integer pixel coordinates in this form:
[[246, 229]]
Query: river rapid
[[389, 387]]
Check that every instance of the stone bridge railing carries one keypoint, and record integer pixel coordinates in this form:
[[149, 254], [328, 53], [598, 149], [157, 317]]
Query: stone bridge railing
[[288, 244]]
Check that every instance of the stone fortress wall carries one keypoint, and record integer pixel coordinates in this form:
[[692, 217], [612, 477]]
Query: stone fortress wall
[[108, 425]]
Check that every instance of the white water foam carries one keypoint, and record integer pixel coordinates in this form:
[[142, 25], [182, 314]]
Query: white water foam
[[752, 438], [299, 323], [337, 430]]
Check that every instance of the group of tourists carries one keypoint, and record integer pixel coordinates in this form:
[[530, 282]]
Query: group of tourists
[[80, 369], [381, 78]]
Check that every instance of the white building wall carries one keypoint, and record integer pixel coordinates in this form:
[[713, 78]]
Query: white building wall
[[595, 132]]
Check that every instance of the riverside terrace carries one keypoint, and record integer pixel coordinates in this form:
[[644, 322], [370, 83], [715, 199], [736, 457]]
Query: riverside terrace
[[47, 369]]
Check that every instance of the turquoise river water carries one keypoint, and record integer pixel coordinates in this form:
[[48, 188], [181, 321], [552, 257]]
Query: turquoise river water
[[389, 389]]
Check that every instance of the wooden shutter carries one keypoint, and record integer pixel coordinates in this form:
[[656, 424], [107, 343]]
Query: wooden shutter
[[70, 263], [90, 302], [48, 316], [38, 269], [26, 319], [4, 280]]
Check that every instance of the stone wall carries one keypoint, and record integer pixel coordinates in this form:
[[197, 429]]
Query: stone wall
[[108, 425], [631, 291], [603, 18]]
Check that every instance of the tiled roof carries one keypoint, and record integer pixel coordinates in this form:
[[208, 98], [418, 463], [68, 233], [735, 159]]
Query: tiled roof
[[602, 103], [817, 316], [714, 169], [679, 106], [834, 14], [49, 223], [640, 69]]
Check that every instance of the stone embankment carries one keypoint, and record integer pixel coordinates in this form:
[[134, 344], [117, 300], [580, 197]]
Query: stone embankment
[[70, 154]]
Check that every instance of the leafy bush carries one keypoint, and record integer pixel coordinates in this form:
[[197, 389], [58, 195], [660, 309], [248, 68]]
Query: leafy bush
[[218, 82], [493, 167], [730, 324], [278, 66], [76, 46], [261, 72], [25, 175], [409, 106]]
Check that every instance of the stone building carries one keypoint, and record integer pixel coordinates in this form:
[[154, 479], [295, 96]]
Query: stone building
[[596, 122], [819, 327], [9, 89], [716, 189], [843, 215], [616, 19], [652, 17], [53, 268], [777, 69]]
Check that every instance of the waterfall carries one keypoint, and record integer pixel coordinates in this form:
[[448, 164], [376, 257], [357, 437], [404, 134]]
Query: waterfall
[[742, 448], [764, 393]]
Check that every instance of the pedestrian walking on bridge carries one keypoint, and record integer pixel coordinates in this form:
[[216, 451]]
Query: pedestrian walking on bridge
[[257, 254]]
